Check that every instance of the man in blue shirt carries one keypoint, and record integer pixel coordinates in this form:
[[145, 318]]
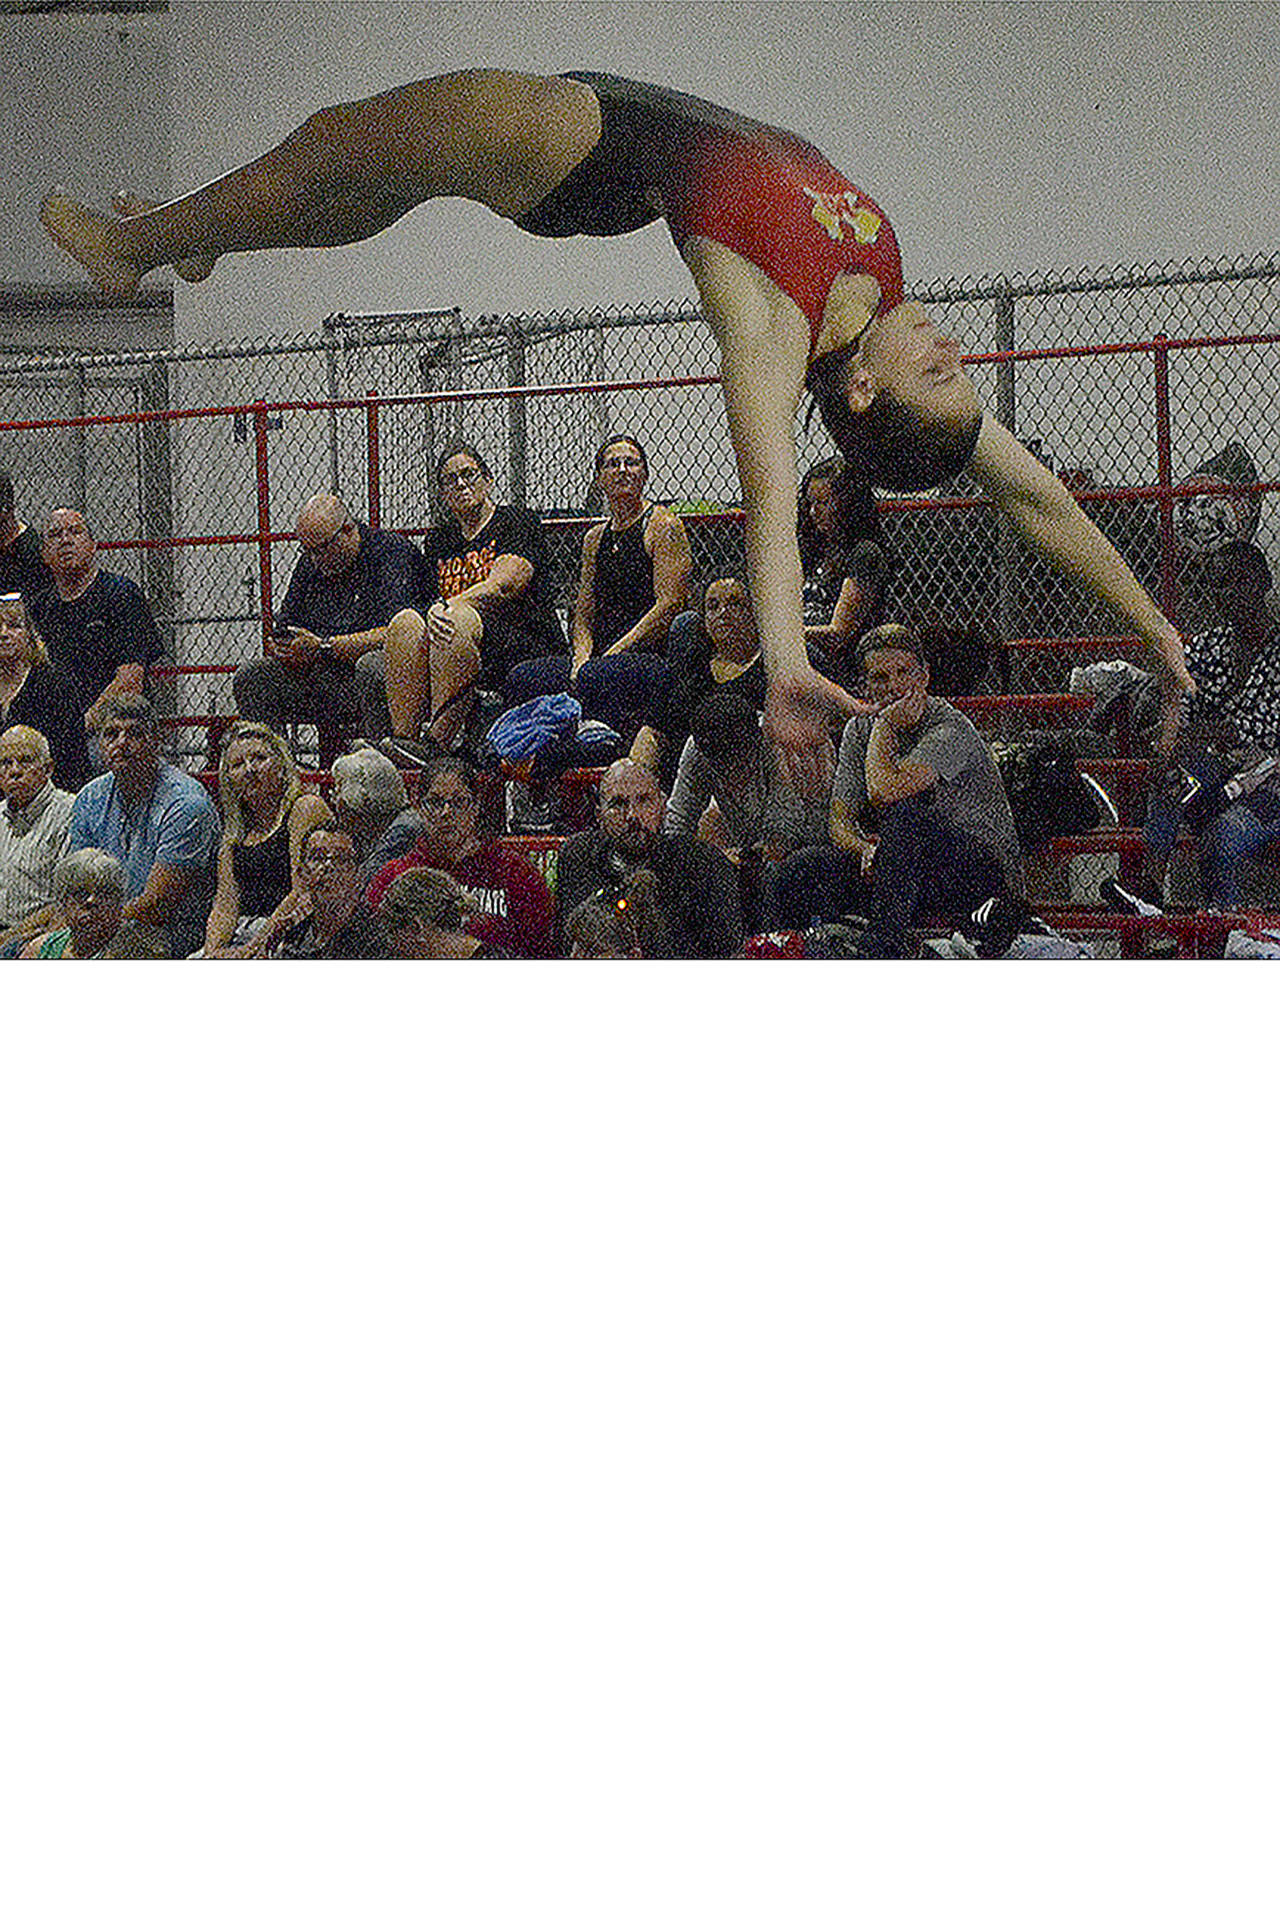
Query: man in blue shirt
[[159, 823]]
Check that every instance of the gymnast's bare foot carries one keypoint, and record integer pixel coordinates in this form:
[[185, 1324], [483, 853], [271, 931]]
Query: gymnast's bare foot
[[127, 206], [93, 240]]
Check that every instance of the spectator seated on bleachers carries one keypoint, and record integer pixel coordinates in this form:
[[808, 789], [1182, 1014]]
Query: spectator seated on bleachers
[[96, 625], [488, 584], [1232, 732], [35, 693], [728, 763], [22, 568], [920, 823], [425, 914], [353, 588], [697, 887], [89, 894], [633, 582], [514, 911], [847, 564], [730, 791], [621, 922], [1207, 525], [266, 814], [372, 804], [35, 832], [157, 821], [328, 917], [708, 649]]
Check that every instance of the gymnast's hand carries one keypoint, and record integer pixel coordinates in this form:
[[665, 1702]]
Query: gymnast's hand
[[799, 710]]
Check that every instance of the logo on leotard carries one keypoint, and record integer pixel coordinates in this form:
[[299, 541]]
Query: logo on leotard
[[834, 211]]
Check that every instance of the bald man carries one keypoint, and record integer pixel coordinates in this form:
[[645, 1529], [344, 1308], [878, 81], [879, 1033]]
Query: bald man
[[352, 585], [697, 887]]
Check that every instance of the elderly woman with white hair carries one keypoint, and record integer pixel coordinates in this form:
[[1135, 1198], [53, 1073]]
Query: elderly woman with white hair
[[372, 804], [89, 893]]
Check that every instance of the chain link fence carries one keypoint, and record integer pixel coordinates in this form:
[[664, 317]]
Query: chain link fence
[[191, 465]]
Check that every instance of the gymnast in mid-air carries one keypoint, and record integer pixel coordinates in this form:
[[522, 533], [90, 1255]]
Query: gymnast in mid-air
[[797, 272]]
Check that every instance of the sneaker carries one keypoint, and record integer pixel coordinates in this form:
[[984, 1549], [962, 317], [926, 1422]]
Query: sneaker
[[995, 925], [529, 812], [1125, 900], [415, 755]]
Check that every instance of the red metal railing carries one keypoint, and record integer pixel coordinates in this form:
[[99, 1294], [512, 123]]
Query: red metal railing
[[375, 408]]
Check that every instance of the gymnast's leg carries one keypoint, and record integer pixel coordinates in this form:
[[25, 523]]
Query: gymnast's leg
[[506, 140]]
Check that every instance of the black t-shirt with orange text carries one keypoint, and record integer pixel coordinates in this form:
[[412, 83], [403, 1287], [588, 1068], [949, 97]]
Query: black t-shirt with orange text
[[518, 629]]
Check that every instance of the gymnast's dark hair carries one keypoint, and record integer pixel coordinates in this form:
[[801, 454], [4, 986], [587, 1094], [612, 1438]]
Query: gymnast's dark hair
[[887, 445]]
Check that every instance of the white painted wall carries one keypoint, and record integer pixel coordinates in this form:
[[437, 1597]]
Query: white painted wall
[[1003, 135], [83, 100], [1024, 136]]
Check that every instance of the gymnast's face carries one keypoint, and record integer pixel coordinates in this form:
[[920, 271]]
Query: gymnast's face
[[903, 353]]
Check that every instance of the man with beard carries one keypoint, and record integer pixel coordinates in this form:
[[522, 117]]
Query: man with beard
[[697, 890]]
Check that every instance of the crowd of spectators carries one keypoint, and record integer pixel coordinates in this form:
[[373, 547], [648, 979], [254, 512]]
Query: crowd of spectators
[[698, 844]]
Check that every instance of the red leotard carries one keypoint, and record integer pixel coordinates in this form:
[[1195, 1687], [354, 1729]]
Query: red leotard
[[779, 204], [769, 197]]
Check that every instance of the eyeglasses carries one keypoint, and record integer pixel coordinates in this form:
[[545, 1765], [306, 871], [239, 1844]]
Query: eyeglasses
[[448, 802], [339, 858], [620, 460], [461, 477]]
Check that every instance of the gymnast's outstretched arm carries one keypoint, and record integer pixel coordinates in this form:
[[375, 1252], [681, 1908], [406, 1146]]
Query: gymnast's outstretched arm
[[763, 339], [1051, 522]]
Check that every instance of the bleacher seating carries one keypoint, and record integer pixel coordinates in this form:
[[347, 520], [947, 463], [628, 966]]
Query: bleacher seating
[[997, 715]]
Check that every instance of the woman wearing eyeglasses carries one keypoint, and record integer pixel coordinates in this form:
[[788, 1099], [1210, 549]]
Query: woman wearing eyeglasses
[[634, 580], [487, 566], [636, 566], [513, 908]]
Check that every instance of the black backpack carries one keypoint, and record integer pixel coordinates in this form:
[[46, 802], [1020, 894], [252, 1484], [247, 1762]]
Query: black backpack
[[1047, 792]]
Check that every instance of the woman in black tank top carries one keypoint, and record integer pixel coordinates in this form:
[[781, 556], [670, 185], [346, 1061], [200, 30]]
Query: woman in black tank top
[[636, 564], [635, 574], [267, 816]]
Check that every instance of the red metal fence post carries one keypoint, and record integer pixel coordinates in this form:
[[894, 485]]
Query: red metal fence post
[[1164, 476], [373, 482], [264, 515]]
